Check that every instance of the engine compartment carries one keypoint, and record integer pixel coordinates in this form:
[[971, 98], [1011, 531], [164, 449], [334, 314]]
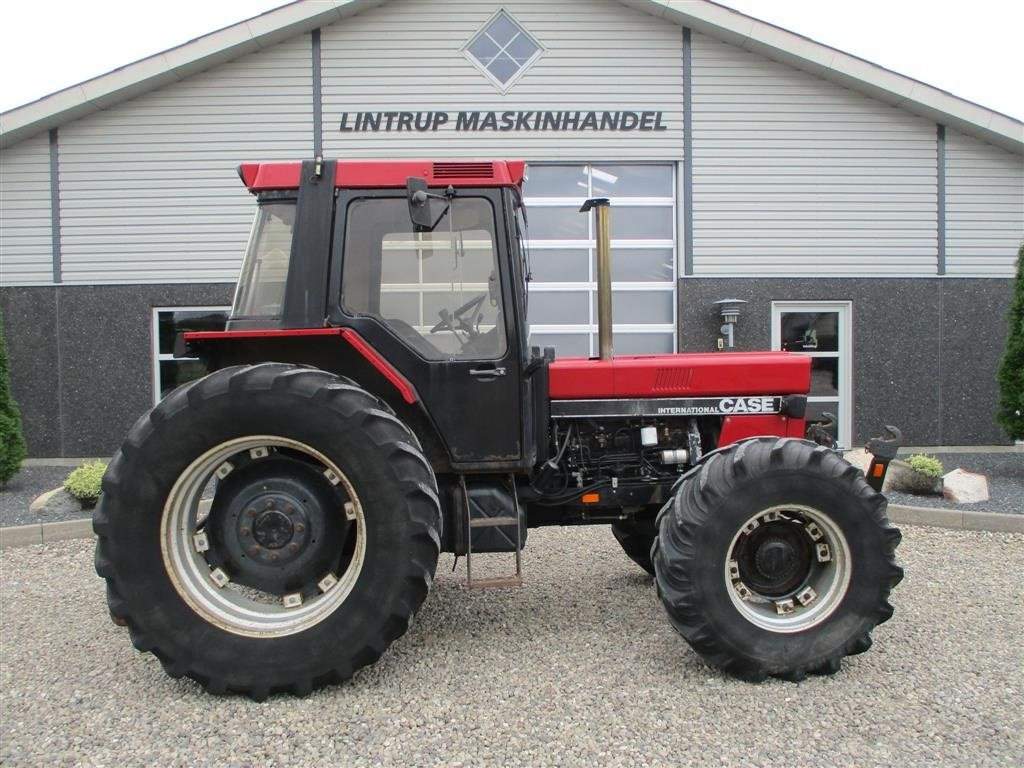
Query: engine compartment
[[630, 449]]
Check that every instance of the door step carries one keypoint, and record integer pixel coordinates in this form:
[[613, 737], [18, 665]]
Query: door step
[[495, 582]]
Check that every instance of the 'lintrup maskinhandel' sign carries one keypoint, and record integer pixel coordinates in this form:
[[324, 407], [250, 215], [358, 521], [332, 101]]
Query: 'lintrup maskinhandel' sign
[[502, 121]]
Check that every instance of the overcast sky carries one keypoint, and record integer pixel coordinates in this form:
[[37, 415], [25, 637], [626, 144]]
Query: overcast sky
[[971, 49]]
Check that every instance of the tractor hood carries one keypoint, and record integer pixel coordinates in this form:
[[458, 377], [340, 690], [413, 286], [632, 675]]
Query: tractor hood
[[687, 375]]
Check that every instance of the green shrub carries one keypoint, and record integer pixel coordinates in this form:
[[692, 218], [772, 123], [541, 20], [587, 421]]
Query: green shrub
[[12, 442], [84, 482], [925, 465], [1011, 372]]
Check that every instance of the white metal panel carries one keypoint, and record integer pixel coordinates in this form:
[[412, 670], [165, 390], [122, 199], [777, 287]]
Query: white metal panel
[[984, 208], [795, 175], [26, 253], [407, 55], [149, 191]]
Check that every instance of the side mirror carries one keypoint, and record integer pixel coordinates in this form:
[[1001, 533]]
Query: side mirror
[[419, 204]]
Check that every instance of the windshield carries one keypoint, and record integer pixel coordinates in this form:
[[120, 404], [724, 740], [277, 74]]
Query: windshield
[[264, 274], [438, 291]]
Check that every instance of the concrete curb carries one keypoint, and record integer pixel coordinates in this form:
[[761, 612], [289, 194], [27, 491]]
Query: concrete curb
[[954, 519], [44, 533]]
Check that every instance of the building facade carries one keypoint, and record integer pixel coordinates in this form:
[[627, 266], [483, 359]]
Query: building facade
[[868, 220]]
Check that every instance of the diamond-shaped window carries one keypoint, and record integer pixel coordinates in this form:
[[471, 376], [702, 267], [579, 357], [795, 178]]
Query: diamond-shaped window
[[503, 49]]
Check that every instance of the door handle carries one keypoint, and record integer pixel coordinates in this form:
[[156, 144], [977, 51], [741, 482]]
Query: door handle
[[486, 372]]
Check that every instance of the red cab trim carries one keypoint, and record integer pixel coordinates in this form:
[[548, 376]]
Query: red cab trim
[[402, 384]]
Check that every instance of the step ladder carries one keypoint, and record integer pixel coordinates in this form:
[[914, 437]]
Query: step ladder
[[472, 523]]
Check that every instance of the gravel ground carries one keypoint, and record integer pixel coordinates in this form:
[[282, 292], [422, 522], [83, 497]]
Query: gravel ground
[[1005, 472], [578, 667], [24, 487]]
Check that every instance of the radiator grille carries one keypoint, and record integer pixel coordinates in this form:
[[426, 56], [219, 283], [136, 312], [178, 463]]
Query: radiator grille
[[672, 379]]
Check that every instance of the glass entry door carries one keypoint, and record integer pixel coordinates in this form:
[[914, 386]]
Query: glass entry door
[[822, 331]]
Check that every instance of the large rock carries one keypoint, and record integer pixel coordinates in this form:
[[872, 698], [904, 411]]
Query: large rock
[[963, 487], [860, 458], [903, 478], [56, 503]]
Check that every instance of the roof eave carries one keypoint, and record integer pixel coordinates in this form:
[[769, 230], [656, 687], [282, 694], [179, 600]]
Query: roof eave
[[842, 68], [171, 66], [724, 23]]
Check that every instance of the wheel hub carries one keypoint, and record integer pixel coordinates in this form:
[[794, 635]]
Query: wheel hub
[[776, 560], [787, 568], [273, 529], [276, 525], [201, 536]]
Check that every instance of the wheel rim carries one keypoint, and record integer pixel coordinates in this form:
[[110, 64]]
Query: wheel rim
[[201, 565], [788, 568]]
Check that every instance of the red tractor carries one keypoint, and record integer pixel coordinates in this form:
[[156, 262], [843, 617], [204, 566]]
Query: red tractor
[[373, 401]]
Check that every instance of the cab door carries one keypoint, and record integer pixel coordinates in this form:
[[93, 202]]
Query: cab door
[[434, 305]]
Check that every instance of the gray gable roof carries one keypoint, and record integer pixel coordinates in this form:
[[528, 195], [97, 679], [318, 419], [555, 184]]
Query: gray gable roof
[[715, 20]]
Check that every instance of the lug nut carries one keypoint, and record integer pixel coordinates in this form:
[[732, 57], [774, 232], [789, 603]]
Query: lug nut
[[269, 504], [293, 547], [274, 557], [254, 550], [244, 531], [250, 512], [289, 509], [299, 527]]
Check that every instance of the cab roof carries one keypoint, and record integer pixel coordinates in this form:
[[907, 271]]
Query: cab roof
[[374, 174]]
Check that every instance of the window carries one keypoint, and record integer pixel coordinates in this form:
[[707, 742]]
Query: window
[[502, 50], [563, 300], [170, 372], [261, 284], [437, 290], [821, 331]]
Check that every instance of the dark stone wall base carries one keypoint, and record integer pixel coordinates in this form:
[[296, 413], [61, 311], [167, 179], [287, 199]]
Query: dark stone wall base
[[925, 350], [82, 361]]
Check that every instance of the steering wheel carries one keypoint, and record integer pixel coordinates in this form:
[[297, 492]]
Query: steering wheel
[[455, 321]]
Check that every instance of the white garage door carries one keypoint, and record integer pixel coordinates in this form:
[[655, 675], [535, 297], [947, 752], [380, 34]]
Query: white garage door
[[563, 300]]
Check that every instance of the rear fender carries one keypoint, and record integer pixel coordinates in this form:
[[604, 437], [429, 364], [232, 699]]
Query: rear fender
[[736, 428], [328, 351]]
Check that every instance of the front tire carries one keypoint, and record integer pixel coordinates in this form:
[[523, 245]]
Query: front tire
[[775, 557], [267, 529]]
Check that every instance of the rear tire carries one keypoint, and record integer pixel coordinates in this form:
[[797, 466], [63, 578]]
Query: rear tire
[[775, 557], [318, 548]]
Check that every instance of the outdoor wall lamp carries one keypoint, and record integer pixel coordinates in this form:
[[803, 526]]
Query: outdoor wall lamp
[[730, 312]]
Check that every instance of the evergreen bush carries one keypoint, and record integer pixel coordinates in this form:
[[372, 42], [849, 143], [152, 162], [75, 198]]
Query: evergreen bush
[[12, 442], [1011, 372]]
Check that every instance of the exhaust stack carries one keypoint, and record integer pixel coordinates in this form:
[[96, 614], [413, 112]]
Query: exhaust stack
[[603, 222]]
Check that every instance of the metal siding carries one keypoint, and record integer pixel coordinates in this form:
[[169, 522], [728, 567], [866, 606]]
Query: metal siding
[[794, 175], [407, 55], [149, 191], [984, 208], [26, 248]]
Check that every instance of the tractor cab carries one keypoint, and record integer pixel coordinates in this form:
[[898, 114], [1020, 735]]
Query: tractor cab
[[422, 264]]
